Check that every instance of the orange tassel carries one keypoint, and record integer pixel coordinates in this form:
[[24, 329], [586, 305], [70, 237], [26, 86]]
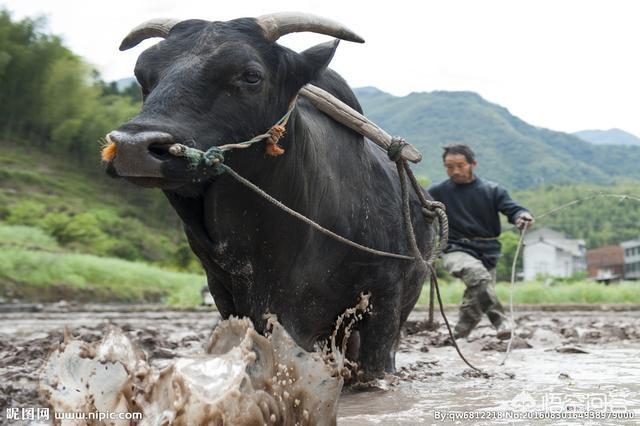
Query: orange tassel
[[273, 148], [108, 152]]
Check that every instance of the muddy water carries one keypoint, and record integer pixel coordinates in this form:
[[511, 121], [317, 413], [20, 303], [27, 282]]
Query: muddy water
[[585, 360]]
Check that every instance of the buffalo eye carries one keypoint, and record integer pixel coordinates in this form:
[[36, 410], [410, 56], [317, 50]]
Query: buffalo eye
[[252, 77]]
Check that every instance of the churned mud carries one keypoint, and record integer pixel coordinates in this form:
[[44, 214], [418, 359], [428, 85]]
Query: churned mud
[[559, 361], [581, 361]]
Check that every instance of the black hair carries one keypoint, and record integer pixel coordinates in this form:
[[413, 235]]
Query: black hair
[[459, 149]]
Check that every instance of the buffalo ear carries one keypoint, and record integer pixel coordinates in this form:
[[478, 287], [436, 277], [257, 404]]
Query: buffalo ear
[[317, 58]]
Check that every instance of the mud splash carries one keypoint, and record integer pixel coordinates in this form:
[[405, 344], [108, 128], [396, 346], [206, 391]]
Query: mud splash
[[243, 378]]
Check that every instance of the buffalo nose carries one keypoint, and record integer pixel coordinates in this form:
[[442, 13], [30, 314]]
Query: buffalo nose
[[140, 154]]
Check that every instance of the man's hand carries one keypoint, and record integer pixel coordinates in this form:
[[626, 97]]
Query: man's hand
[[524, 221]]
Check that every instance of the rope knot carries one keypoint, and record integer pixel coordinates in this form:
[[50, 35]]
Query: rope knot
[[395, 148], [275, 133], [193, 156], [213, 157]]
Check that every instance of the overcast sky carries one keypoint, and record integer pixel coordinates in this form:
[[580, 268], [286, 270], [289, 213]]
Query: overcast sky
[[566, 65]]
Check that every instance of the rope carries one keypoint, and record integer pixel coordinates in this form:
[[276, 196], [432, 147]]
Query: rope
[[406, 211], [394, 151], [434, 279], [431, 209], [622, 197], [430, 325], [512, 321], [308, 221], [403, 167], [214, 156]]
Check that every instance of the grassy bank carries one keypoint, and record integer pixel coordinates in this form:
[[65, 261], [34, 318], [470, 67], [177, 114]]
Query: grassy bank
[[43, 276], [536, 293], [39, 273], [83, 210], [34, 267]]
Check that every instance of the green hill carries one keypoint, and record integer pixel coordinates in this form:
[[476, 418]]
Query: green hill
[[608, 137], [509, 150]]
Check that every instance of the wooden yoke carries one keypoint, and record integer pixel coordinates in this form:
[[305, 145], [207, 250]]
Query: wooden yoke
[[351, 118]]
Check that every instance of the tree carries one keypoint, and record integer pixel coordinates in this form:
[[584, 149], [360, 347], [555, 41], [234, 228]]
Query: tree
[[52, 98], [26, 57], [509, 241]]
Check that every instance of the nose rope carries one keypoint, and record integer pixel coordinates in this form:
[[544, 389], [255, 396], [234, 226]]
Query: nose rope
[[214, 156]]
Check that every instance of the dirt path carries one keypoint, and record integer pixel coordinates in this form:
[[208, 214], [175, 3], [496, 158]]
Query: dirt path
[[584, 359]]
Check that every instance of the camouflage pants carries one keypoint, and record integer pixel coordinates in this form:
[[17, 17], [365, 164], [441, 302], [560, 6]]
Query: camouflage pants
[[479, 296]]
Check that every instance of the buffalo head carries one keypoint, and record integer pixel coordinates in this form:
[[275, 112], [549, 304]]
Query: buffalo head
[[212, 83]]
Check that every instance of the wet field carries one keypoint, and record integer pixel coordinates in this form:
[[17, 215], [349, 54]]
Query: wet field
[[564, 361]]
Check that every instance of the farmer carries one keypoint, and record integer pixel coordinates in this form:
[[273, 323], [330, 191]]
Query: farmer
[[472, 206]]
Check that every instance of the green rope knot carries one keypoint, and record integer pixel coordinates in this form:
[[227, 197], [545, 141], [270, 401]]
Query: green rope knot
[[213, 157], [192, 155], [395, 148]]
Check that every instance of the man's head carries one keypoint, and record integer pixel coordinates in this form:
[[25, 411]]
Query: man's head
[[459, 161]]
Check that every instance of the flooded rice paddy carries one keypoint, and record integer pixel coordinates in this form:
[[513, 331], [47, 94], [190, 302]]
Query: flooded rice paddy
[[564, 367]]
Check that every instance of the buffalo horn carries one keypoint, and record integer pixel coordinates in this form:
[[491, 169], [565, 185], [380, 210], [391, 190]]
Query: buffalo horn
[[159, 27], [276, 25]]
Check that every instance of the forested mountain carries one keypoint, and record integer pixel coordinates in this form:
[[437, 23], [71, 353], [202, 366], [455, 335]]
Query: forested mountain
[[509, 150], [608, 137]]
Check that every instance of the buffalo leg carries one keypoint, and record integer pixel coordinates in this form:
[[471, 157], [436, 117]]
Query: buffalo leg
[[353, 346], [378, 336], [221, 297], [390, 366]]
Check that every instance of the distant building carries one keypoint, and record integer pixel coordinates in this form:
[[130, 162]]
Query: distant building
[[606, 263], [631, 259], [551, 253]]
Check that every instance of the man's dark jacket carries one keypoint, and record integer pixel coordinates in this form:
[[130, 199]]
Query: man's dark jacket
[[474, 224]]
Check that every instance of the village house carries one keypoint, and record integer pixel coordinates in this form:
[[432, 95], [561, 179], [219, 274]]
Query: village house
[[631, 259], [606, 263], [550, 253]]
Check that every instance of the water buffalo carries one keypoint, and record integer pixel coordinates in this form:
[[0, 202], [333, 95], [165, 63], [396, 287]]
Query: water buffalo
[[212, 83]]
